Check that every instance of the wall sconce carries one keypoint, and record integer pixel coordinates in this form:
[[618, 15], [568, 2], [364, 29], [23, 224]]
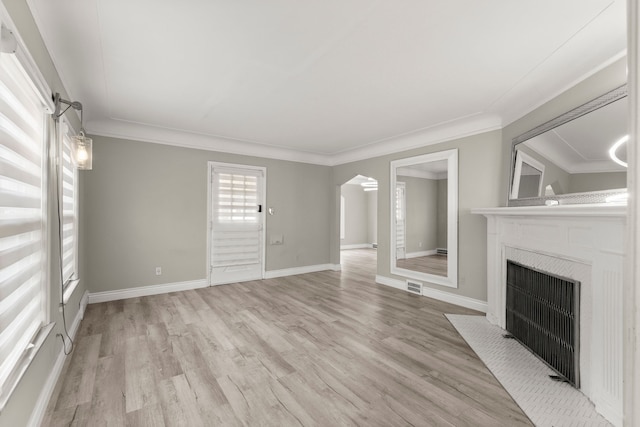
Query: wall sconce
[[81, 145]]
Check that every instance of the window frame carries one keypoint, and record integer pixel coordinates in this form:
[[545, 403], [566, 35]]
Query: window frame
[[39, 89]]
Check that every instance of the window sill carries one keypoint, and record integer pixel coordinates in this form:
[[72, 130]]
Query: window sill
[[18, 372]]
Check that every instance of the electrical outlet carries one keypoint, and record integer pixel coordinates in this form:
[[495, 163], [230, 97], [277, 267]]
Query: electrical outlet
[[276, 239], [158, 271]]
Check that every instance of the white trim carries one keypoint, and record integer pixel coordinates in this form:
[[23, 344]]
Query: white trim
[[415, 173], [451, 156], [343, 232], [143, 291], [614, 210], [272, 274], [459, 300], [393, 283], [460, 128], [357, 246], [631, 291], [40, 408], [70, 289], [421, 253], [523, 158], [27, 62], [181, 138]]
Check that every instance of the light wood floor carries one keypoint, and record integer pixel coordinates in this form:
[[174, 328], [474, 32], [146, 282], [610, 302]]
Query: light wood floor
[[431, 264], [325, 349]]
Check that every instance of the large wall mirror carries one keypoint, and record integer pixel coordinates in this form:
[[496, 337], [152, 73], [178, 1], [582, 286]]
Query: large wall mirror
[[578, 157], [424, 218]]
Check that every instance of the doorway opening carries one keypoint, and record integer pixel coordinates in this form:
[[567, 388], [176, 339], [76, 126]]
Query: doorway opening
[[359, 219]]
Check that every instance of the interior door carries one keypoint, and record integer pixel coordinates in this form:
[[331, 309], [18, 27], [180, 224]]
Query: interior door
[[236, 238], [401, 215]]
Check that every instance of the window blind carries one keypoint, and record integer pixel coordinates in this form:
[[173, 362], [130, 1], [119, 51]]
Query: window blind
[[236, 197], [22, 248], [69, 208]]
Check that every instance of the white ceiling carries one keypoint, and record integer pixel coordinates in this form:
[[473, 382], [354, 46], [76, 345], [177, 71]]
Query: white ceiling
[[322, 82]]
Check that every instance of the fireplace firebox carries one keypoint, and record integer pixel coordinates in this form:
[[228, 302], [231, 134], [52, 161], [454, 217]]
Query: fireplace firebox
[[542, 312]]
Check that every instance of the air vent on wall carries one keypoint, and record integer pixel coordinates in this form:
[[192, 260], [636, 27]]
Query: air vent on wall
[[441, 251], [414, 287]]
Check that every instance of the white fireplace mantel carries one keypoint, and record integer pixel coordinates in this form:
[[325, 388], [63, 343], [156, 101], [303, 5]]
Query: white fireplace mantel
[[583, 241]]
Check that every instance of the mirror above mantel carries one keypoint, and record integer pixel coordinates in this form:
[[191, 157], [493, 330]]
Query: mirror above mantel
[[572, 159], [424, 218]]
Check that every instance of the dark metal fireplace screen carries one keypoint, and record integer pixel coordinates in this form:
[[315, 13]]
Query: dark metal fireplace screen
[[543, 313]]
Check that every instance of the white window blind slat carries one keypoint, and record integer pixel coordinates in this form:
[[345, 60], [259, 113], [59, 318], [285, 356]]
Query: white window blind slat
[[22, 248], [236, 198], [69, 203]]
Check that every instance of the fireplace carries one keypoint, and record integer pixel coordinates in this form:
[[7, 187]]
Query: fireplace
[[543, 313], [584, 244]]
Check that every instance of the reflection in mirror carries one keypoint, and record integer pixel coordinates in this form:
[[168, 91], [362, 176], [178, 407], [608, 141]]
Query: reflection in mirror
[[424, 214], [528, 176], [576, 153]]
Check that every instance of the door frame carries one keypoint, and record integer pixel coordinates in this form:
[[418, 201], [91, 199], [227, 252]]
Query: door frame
[[263, 189]]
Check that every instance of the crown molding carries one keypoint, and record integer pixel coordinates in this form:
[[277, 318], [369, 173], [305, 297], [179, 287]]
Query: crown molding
[[178, 138], [157, 135]]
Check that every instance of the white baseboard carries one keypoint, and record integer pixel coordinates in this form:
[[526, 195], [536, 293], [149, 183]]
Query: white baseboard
[[357, 246], [393, 283], [38, 413], [421, 253], [459, 300], [272, 274], [142, 291], [462, 301]]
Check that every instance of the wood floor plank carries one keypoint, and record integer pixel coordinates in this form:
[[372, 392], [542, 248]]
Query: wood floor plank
[[319, 349], [140, 375], [163, 356], [149, 416], [178, 403], [108, 401], [78, 385]]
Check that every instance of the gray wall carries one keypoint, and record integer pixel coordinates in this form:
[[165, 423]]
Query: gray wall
[[480, 185], [422, 213], [22, 402], [356, 213], [146, 206], [581, 182], [372, 225]]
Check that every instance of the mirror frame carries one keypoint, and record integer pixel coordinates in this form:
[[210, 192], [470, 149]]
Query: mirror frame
[[451, 280], [524, 158], [570, 198]]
